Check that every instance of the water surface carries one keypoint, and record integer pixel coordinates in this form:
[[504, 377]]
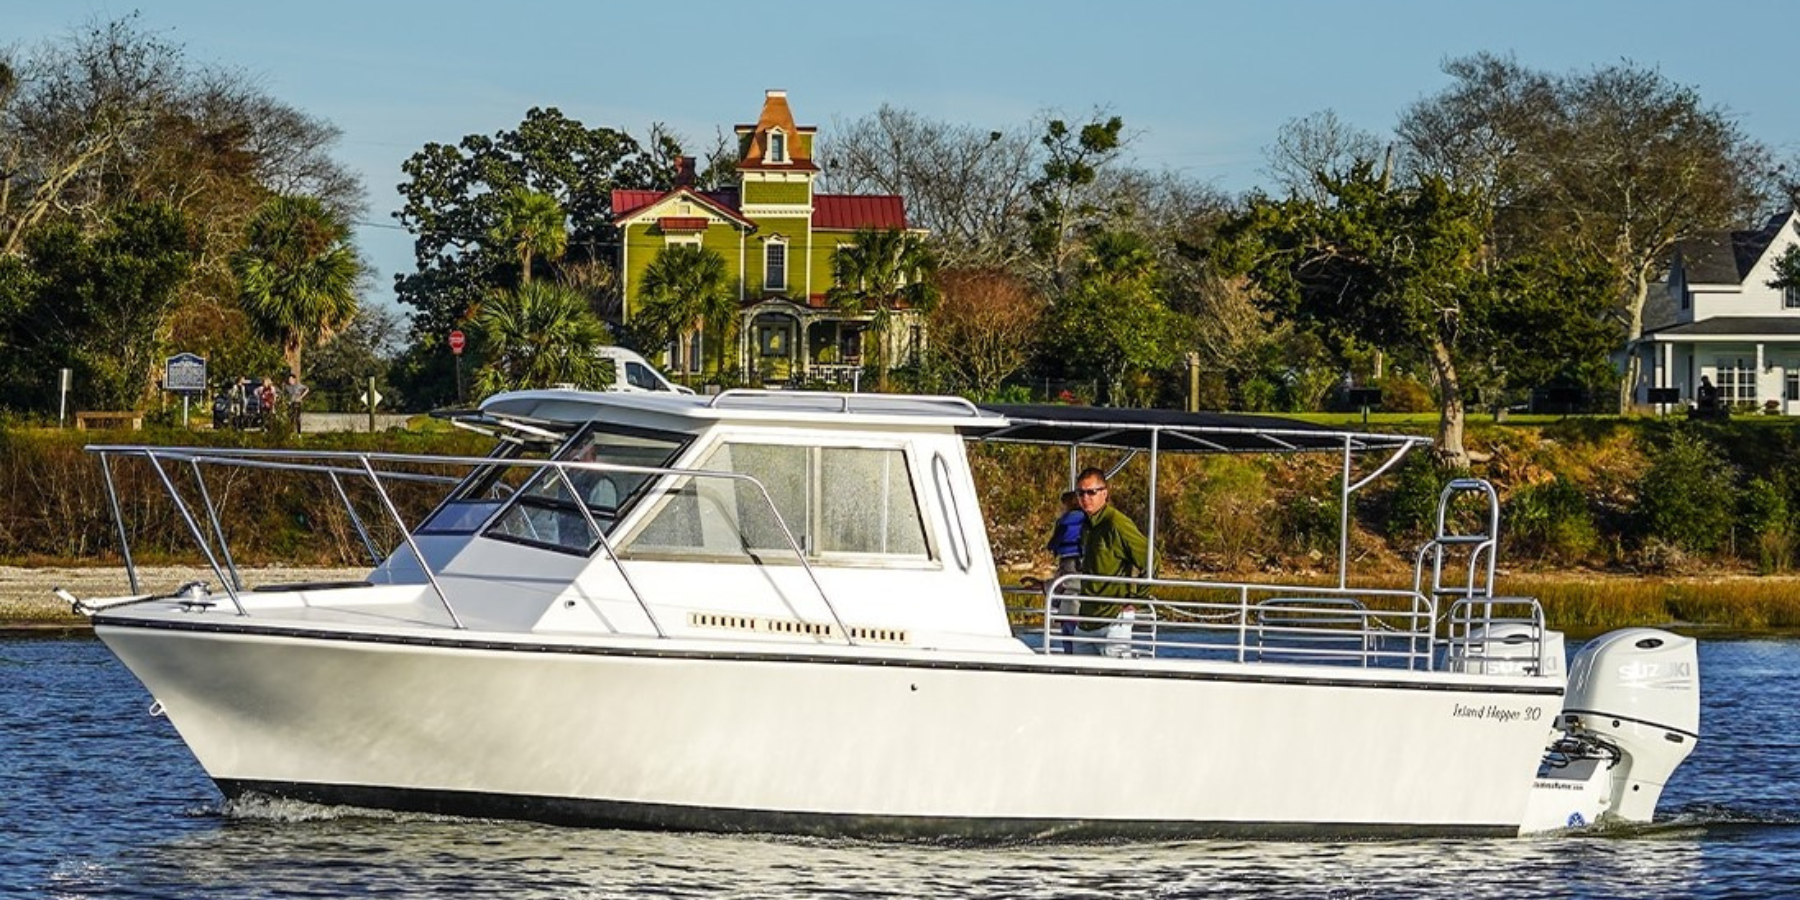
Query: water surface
[[100, 799]]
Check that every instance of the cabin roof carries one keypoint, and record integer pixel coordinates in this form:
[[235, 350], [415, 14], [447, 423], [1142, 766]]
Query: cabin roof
[[683, 412]]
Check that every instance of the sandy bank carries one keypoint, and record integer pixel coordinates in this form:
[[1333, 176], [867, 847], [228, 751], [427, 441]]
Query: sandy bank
[[26, 599]]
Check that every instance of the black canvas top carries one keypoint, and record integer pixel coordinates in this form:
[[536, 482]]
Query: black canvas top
[[1176, 431]]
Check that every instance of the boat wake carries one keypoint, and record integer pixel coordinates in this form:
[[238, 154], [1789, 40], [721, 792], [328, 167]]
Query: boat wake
[[264, 808], [1726, 816]]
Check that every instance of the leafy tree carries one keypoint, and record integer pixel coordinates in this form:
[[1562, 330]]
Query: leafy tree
[[340, 370], [1787, 269], [986, 327], [685, 285], [879, 272], [1064, 208], [1405, 270], [532, 225], [97, 305], [1113, 321], [1617, 164], [454, 196], [298, 274], [536, 336]]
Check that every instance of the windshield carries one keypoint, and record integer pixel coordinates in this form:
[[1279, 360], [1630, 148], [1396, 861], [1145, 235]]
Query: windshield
[[545, 514]]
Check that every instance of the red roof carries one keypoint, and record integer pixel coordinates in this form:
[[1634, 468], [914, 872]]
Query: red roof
[[840, 212], [625, 202], [852, 211], [628, 203]]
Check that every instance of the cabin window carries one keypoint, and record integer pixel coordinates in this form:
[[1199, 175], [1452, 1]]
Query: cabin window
[[482, 492], [545, 514], [838, 505]]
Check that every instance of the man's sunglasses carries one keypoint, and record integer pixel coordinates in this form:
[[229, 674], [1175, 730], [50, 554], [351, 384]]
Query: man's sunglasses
[[1089, 492]]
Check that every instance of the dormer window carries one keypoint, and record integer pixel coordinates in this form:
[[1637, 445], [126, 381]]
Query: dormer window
[[1790, 297], [777, 147]]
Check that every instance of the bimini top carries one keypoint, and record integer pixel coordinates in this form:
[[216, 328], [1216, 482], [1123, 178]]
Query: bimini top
[[552, 415], [1179, 432]]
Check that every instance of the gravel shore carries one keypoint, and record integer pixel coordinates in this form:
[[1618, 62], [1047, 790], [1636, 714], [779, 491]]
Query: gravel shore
[[26, 600]]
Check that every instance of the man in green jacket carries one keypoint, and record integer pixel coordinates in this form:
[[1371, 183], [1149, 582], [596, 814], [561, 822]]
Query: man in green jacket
[[1112, 546]]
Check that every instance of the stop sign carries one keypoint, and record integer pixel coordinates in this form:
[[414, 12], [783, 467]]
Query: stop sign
[[456, 342]]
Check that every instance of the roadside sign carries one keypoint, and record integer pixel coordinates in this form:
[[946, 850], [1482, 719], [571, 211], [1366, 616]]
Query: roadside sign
[[456, 342], [185, 373], [377, 395]]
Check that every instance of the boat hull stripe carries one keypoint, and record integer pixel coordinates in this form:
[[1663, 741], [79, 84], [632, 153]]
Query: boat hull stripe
[[1037, 668], [666, 817]]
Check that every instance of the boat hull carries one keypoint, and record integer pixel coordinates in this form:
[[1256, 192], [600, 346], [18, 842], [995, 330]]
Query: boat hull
[[657, 734]]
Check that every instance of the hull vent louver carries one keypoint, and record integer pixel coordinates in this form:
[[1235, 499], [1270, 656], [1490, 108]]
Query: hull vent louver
[[795, 628]]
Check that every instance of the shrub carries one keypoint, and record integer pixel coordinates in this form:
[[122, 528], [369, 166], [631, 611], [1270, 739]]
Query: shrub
[[1551, 520], [1402, 394], [1409, 509], [1769, 524], [1687, 495]]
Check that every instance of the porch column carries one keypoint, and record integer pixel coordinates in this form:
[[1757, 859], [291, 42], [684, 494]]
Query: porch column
[[1761, 370]]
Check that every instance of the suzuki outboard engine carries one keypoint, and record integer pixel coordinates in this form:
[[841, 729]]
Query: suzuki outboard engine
[[1637, 689]]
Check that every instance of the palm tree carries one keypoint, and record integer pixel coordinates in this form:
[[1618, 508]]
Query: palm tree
[[876, 273], [530, 224], [536, 336], [297, 274], [687, 284]]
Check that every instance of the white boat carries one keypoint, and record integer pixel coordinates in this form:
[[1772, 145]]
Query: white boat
[[778, 611]]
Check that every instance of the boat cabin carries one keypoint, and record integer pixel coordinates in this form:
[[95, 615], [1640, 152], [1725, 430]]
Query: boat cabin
[[746, 515]]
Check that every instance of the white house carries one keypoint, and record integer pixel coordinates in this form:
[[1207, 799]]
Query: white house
[[1717, 317]]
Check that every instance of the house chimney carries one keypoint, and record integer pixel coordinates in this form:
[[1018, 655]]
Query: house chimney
[[684, 171]]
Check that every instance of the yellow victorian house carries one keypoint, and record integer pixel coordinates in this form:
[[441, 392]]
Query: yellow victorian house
[[778, 238]]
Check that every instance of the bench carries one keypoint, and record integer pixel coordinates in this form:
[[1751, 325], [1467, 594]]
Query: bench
[[131, 419]]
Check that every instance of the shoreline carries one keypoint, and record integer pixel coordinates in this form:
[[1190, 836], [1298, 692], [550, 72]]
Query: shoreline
[[1575, 602], [27, 603]]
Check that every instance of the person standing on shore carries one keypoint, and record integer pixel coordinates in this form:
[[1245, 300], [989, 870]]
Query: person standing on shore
[[296, 392]]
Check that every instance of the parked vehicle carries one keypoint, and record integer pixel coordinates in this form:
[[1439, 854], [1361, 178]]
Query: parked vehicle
[[627, 371]]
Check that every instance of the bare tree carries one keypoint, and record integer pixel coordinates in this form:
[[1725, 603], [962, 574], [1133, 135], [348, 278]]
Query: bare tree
[[1308, 150], [114, 114], [964, 184]]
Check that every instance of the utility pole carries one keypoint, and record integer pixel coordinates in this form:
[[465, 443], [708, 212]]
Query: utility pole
[[1193, 363]]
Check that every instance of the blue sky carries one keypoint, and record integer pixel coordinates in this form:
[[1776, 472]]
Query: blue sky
[[1203, 85]]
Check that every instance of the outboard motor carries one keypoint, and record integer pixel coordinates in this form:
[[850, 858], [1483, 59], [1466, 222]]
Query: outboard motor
[[1637, 689], [1507, 649]]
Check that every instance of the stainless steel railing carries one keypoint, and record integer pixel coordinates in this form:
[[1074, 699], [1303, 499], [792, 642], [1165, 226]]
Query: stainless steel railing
[[335, 465], [1248, 622]]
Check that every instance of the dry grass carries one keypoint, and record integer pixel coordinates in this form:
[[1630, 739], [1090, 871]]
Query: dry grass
[[1580, 603]]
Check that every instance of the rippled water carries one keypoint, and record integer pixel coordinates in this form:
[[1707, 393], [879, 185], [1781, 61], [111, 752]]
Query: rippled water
[[98, 799]]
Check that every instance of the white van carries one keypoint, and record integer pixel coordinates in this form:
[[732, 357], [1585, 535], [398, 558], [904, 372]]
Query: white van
[[631, 372]]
